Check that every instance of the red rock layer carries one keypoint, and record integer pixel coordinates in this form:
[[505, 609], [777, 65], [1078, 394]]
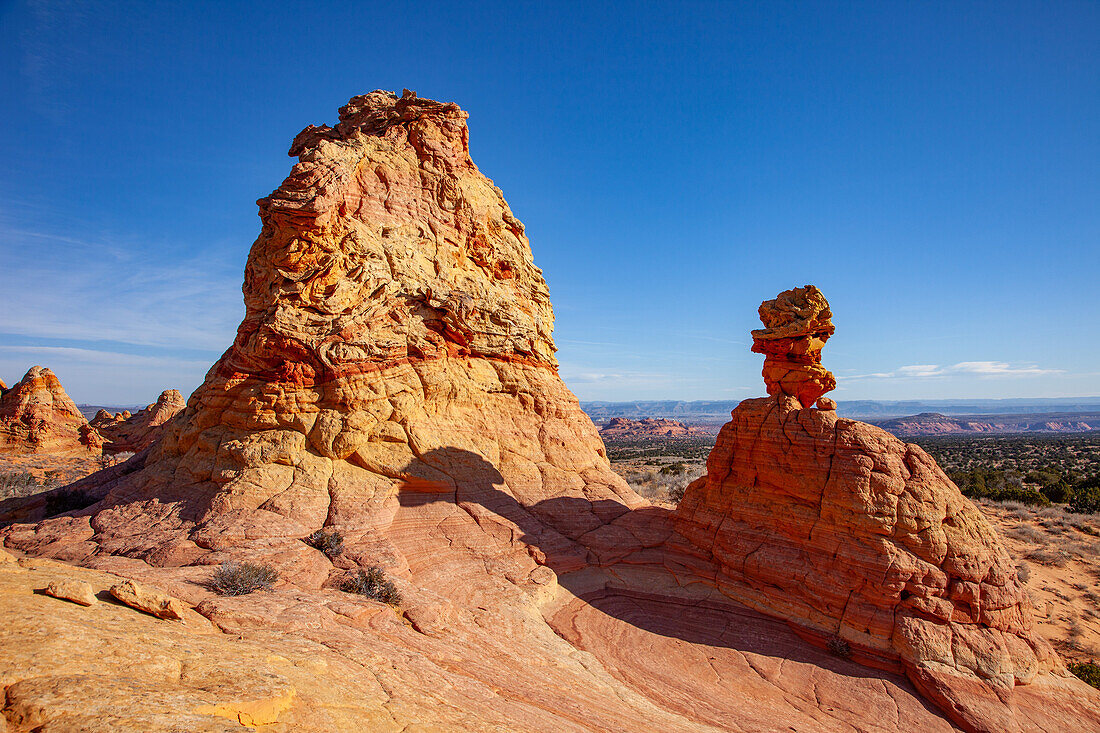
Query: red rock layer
[[796, 326], [37, 416], [123, 432]]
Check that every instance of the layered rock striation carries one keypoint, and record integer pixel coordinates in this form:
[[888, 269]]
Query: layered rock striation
[[396, 341], [796, 326], [394, 380], [37, 416], [840, 527]]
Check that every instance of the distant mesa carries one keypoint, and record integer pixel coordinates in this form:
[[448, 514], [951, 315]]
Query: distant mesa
[[932, 424], [623, 427]]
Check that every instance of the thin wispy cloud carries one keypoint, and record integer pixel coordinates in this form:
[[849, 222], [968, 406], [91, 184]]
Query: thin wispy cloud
[[106, 293], [963, 368]]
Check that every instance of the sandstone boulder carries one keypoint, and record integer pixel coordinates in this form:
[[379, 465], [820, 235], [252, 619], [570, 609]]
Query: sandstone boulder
[[148, 600], [77, 591]]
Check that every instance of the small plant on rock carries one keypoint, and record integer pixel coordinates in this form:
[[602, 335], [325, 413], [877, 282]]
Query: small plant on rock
[[838, 647], [238, 579], [331, 543], [1089, 672], [373, 583]]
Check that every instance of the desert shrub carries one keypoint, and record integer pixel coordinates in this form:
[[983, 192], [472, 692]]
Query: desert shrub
[[17, 484], [674, 469], [1085, 500], [1044, 556], [1088, 672], [1059, 492], [331, 543], [676, 493], [238, 579], [838, 647], [374, 584], [1023, 570], [68, 500], [998, 485]]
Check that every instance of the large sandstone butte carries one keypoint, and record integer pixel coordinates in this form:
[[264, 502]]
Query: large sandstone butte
[[37, 416], [394, 379], [844, 529]]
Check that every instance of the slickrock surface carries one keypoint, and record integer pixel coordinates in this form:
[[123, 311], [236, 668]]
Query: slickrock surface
[[394, 380], [37, 416], [843, 528], [124, 432], [622, 427], [796, 326]]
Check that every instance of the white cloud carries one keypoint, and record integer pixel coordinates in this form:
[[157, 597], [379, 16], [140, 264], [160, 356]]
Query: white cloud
[[973, 368]]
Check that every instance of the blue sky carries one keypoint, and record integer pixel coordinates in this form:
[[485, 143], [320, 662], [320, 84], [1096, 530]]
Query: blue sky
[[932, 167]]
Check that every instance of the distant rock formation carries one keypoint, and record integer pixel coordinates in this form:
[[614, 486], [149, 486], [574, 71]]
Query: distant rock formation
[[623, 427], [934, 423], [124, 432], [37, 416], [842, 528]]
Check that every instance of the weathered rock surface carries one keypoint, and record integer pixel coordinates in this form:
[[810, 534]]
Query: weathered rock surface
[[394, 380], [841, 527], [124, 432], [77, 591], [623, 427], [796, 326], [37, 416]]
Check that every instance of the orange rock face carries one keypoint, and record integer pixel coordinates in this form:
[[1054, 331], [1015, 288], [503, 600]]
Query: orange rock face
[[796, 326], [37, 416], [123, 432], [394, 380], [844, 529]]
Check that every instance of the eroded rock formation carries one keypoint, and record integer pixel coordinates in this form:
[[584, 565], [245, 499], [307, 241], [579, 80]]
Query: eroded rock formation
[[796, 326], [126, 432], [394, 380], [37, 416], [841, 527]]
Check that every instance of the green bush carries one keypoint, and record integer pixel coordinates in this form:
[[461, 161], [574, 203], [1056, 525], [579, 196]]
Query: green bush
[[1089, 672], [1059, 492], [674, 469], [330, 543], [1085, 500], [238, 579], [374, 584]]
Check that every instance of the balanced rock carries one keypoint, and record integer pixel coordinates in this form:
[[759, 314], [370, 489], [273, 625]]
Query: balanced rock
[[842, 528], [37, 416], [797, 324], [123, 432]]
